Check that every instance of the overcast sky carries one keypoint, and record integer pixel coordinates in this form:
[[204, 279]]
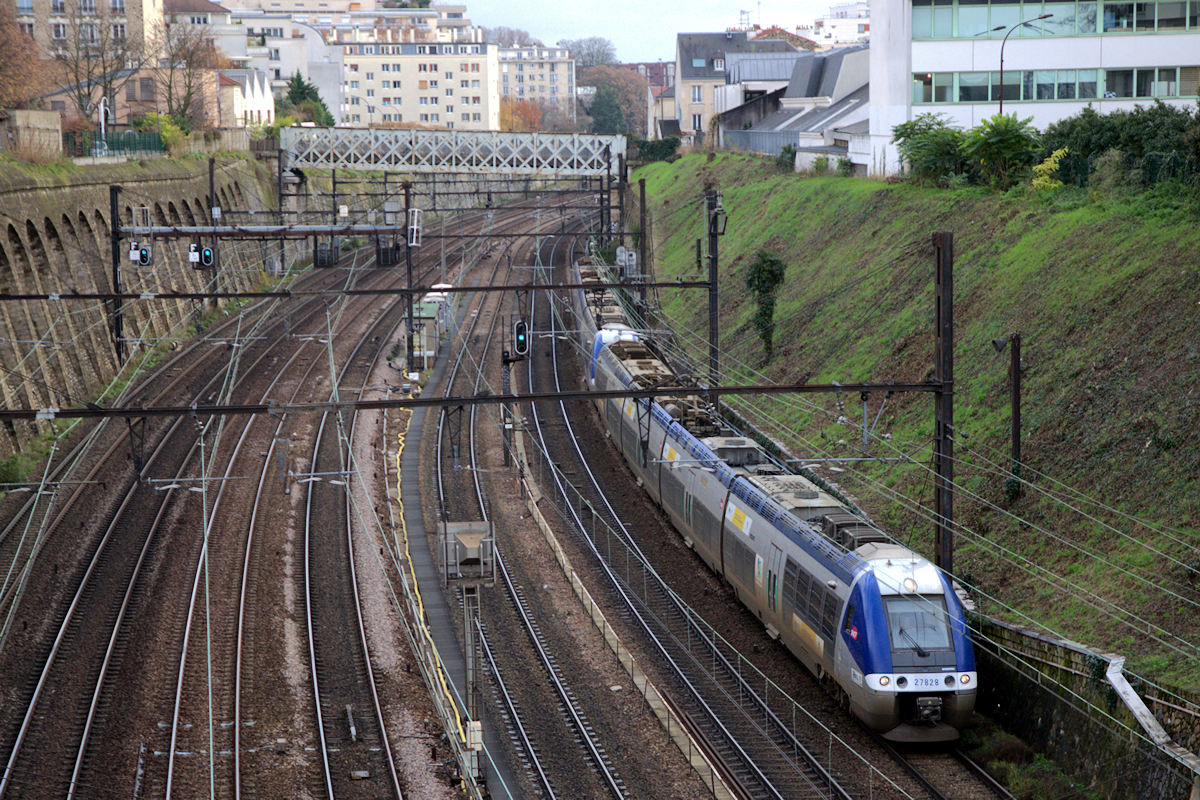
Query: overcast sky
[[643, 30]]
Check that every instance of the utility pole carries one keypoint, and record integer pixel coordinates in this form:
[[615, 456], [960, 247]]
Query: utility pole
[[408, 259], [212, 203], [643, 265], [712, 204], [1015, 368], [621, 196], [118, 332], [943, 425], [282, 221]]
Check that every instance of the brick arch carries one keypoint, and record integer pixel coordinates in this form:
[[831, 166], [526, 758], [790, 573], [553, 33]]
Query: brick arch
[[173, 214], [9, 442], [59, 363], [67, 274], [160, 218], [18, 318], [187, 213]]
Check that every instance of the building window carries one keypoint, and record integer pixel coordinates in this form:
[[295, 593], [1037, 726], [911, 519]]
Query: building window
[[370, 92], [696, 97], [118, 7], [273, 54], [370, 76], [385, 67], [353, 84], [466, 117], [118, 31], [56, 7], [719, 64], [58, 31], [146, 86], [475, 118], [696, 122]]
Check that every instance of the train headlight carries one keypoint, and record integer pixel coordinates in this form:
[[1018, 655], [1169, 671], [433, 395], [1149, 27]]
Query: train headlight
[[901, 682], [884, 680], [964, 679], [910, 585]]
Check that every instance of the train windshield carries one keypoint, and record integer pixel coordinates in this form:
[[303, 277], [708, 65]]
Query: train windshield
[[918, 622]]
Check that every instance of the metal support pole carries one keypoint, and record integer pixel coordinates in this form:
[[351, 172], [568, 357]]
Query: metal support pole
[[1015, 370], [621, 196], [379, 239], [118, 332], [279, 189], [212, 203], [408, 260], [643, 265], [943, 426], [714, 375]]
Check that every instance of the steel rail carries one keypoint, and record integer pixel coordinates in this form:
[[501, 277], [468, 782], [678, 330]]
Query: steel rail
[[811, 761], [202, 561], [590, 740], [83, 586], [513, 712]]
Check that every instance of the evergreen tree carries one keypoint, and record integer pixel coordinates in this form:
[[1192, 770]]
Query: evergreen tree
[[606, 112], [303, 98]]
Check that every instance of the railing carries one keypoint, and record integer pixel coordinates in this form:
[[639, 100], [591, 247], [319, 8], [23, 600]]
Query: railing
[[769, 143], [82, 144], [268, 146]]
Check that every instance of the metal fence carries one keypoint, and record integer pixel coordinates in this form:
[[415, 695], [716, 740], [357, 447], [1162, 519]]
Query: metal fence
[[769, 143], [82, 144]]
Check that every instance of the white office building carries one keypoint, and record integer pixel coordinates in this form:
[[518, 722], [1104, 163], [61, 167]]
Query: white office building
[[945, 56]]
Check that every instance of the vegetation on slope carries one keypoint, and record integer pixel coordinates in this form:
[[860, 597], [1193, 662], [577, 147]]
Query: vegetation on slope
[[1101, 544]]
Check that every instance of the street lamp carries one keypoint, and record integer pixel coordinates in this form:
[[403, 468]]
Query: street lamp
[[1010, 30], [1014, 372]]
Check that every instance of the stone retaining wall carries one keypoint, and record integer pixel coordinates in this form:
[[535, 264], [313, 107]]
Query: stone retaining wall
[[1076, 706], [54, 237]]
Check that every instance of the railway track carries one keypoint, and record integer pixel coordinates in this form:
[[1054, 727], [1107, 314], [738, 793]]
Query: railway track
[[459, 486], [761, 752], [92, 634], [117, 561]]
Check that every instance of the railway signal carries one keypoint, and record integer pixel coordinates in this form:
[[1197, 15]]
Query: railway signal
[[208, 256], [145, 257], [520, 338]]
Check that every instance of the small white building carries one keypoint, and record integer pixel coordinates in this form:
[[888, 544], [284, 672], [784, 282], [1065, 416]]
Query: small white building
[[846, 23]]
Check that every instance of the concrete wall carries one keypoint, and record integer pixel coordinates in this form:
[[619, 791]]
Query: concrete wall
[[32, 135], [55, 238], [1076, 706]]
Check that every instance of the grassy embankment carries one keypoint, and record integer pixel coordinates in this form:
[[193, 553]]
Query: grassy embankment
[[1104, 293]]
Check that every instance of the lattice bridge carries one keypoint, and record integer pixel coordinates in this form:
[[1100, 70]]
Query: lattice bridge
[[453, 151]]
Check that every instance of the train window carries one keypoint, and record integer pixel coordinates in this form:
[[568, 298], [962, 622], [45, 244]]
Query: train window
[[829, 614], [790, 574], [849, 626], [918, 622]]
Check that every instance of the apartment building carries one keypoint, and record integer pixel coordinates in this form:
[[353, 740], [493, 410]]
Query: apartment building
[[700, 72], [659, 75], [434, 85], [1060, 57], [113, 25], [846, 23], [543, 74]]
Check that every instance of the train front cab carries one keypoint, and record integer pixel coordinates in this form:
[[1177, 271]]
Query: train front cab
[[904, 647]]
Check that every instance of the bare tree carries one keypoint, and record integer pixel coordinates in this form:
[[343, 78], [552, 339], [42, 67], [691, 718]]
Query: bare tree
[[510, 37], [96, 54], [22, 73], [591, 51], [188, 60]]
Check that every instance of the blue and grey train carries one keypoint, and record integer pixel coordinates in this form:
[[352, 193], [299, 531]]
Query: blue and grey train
[[879, 624]]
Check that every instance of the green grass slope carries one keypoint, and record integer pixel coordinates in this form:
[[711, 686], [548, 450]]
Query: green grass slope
[[1102, 547]]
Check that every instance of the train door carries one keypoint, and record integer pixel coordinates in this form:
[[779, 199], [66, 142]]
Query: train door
[[774, 566]]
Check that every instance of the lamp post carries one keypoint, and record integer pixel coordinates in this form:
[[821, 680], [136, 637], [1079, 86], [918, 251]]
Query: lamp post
[[1010, 30], [1014, 373]]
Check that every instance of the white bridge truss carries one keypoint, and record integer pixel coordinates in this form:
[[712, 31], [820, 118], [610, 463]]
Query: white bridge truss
[[421, 151]]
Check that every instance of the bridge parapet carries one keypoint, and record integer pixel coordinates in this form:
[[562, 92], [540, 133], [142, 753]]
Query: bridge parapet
[[424, 151]]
